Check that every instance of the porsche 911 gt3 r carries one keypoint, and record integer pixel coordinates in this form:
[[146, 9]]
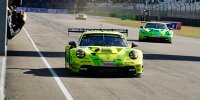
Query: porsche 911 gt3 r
[[103, 51], [156, 31], [81, 16]]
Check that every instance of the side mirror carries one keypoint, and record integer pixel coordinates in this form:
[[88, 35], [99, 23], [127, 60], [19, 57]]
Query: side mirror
[[134, 44], [141, 27], [72, 43]]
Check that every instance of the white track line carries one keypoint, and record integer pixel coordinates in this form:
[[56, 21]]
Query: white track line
[[2, 77], [57, 79]]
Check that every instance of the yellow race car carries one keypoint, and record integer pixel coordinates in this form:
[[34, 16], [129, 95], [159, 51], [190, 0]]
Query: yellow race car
[[103, 50]]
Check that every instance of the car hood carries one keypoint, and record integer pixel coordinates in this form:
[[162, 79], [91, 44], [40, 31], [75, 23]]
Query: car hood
[[157, 32], [105, 53], [103, 49], [154, 30]]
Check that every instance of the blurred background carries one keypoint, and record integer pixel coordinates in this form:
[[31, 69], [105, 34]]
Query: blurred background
[[174, 10]]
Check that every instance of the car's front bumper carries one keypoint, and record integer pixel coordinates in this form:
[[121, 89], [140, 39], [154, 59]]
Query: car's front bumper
[[83, 18], [106, 69], [161, 39]]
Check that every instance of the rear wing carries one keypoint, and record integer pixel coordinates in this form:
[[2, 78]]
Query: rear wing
[[171, 24], [81, 30]]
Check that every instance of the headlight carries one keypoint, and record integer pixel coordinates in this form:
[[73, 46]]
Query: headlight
[[133, 54], [80, 53], [167, 33], [144, 31]]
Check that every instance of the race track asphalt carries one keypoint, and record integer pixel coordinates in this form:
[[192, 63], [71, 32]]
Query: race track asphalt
[[171, 71]]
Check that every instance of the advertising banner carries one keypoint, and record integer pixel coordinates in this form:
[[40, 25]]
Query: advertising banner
[[61, 11], [175, 25], [31, 9], [51, 11], [42, 10], [21, 8]]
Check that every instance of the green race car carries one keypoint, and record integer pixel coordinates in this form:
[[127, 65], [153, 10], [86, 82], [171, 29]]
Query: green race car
[[103, 51], [156, 31]]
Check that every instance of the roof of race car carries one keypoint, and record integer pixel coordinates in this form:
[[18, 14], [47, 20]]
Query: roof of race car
[[81, 14], [158, 22], [104, 32]]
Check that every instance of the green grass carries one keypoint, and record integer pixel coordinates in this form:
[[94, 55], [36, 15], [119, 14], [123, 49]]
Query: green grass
[[187, 31]]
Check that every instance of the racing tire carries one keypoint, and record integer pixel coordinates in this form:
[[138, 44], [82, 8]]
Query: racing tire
[[140, 39], [139, 75], [66, 61], [135, 75], [66, 65], [169, 41], [71, 73]]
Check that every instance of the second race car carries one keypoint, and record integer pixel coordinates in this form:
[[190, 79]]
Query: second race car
[[81, 16], [158, 31]]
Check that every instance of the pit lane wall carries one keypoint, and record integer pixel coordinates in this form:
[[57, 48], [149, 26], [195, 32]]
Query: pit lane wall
[[42, 10]]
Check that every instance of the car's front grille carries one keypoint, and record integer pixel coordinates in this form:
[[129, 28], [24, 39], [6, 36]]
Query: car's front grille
[[156, 39], [102, 69]]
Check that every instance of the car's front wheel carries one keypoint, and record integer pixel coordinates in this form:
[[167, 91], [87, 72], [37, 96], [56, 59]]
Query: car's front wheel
[[135, 75], [170, 41], [66, 60], [140, 38], [138, 75], [66, 65]]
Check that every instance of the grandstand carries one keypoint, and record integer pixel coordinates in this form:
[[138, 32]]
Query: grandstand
[[170, 8]]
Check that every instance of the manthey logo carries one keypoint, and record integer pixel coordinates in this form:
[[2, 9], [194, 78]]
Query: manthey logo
[[107, 56], [105, 50]]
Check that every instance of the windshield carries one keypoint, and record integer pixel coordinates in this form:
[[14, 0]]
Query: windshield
[[156, 26], [103, 40]]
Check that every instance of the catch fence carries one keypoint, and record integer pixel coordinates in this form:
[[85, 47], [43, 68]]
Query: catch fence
[[169, 9]]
